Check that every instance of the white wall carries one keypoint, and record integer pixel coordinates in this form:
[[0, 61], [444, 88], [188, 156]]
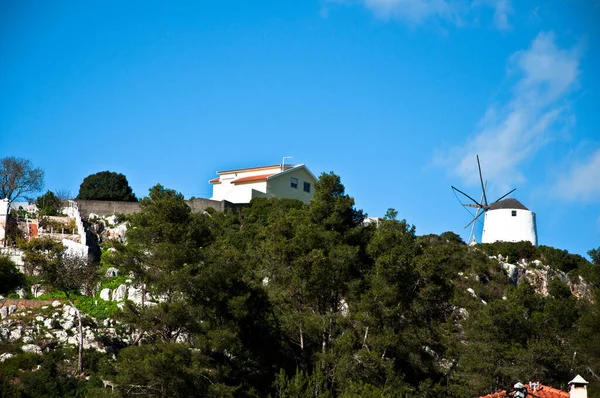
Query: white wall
[[280, 186], [501, 225], [237, 193]]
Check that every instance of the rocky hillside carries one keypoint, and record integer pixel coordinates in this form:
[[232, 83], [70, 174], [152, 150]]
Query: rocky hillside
[[287, 299]]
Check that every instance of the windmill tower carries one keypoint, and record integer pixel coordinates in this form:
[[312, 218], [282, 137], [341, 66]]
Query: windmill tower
[[505, 220]]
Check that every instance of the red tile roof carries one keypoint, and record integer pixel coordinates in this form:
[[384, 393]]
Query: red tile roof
[[262, 177], [253, 169], [215, 181], [541, 391]]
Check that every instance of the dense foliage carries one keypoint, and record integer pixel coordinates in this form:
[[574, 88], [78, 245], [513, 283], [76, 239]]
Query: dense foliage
[[293, 300], [106, 185], [48, 204]]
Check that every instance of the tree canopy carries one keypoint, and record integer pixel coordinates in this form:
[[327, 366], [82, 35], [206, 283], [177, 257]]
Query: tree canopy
[[106, 185], [287, 299], [49, 204], [18, 178]]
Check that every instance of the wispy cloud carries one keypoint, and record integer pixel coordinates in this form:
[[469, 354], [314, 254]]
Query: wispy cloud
[[416, 12], [512, 132], [582, 182]]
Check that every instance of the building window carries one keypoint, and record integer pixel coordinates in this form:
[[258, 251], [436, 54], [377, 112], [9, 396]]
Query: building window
[[514, 213], [307, 187], [294, 183]]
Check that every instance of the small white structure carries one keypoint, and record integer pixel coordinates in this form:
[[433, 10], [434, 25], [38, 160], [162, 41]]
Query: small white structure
[[3, 219], [578, 387], [509, 221], [276, 181]]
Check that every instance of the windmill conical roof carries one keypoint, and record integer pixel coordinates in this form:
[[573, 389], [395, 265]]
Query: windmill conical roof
[[578, 380], [509, 203]]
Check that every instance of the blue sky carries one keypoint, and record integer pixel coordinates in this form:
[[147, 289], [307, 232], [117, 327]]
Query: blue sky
[[395, 96]]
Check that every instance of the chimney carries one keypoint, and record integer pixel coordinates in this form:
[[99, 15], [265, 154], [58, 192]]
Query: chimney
[[578, 387]]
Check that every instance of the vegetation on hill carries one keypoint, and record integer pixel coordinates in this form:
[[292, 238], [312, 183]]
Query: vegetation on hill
[[106, 185], [284, 299]]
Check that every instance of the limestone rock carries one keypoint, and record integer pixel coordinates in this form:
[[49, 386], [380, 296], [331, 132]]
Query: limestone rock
[[5, 356], [135, 295], [119, 294], [66, 324], [3, 312], [48, 323], [56, 303], [31, 348], [11, 309], [112, 271], [105, 294], [16, 333]]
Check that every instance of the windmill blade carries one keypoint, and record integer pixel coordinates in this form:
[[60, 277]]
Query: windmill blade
[[505, 195], [481, 179], [475, 219], [474, 201]]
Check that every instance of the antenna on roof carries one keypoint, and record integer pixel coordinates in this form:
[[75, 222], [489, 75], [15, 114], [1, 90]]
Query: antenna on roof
[[283, 162]]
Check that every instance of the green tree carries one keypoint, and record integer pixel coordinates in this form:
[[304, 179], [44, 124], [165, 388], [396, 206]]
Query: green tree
[[49, 204], [106, 185], [595, 255], [18, 177], [10, 277]]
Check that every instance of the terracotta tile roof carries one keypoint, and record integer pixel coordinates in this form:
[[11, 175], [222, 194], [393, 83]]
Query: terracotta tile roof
[[262, 177], [541, 391], [278, 166], [215, 181]]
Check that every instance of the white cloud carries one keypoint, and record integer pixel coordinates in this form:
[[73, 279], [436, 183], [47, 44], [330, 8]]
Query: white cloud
[[414, 11], [510, 133], [418, 11], [582, 182]]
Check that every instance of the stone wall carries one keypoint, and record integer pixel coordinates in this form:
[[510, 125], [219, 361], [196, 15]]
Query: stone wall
[[107, 207]]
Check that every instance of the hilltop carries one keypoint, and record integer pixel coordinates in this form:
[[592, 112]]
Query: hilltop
[[286, 299]]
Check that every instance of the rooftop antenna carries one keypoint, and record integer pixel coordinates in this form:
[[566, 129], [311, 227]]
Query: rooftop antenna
[[283, 162], [484, 206]]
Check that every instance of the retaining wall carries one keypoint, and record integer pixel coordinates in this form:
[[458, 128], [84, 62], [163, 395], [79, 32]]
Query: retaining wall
[[107, 207]]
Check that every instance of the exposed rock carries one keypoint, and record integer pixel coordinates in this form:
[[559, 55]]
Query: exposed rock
[[512, 272], [119, 294], [37, 291], [16, 333], [135, 295], [105, 294], [5, 356], [48, 323], [31, 348], [472, 292], [11, 309], [56, 303], [61, 335], [112, 271], [3, 312], [66, 324]]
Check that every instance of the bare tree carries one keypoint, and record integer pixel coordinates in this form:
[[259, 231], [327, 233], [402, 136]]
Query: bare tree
[[19, 177], [71, 273], [64, 194]]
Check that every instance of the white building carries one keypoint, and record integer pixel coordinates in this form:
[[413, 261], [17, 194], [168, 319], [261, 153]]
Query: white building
[[4, 210], [509, 221], [276, 181]]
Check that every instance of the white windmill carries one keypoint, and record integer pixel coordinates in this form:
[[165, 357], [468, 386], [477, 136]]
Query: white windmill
[[505, 220]]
